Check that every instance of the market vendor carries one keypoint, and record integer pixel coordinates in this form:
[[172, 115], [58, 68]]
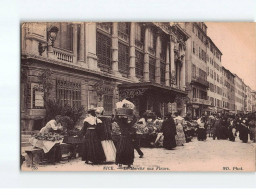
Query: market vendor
[[52, 125]]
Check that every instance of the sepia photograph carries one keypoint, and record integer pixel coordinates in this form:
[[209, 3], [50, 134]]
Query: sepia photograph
[[138, 96]]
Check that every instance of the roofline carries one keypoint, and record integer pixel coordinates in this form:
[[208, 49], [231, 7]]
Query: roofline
[[228, 71], [214, 44], [182, 30]]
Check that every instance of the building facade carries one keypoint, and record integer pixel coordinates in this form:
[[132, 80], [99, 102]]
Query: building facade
[[196, 68], [99, 64], [248, 99], [253, 95], [228, 99], [239, 95], [214, 76]]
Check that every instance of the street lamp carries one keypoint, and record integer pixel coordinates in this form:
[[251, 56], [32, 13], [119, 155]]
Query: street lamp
[[51, 36]]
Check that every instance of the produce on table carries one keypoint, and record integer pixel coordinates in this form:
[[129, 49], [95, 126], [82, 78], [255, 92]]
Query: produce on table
[[48, 136]]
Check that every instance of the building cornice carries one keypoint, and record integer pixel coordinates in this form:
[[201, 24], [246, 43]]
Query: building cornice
[[75, 67]]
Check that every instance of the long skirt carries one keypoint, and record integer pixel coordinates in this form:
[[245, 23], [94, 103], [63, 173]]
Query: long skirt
[[125, 151], [253, 134], [231, 136], [201, 134], [169, 141], [92, 148], [180, 137], [243, 133]]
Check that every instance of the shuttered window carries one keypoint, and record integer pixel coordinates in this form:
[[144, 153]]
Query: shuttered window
[[103, 50], [162, 71], [139, 63], [123, 58], [152, 70]]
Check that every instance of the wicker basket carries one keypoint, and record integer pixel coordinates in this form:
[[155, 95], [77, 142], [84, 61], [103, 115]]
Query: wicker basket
[[73, 140], [124, 111]]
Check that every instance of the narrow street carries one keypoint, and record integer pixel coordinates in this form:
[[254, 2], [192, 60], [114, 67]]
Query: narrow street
[[210, 155]]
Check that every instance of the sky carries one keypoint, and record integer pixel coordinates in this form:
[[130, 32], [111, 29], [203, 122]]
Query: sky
[[237, 42]]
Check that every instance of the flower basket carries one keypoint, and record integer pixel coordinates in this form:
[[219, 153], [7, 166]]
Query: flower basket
[[124, 111]]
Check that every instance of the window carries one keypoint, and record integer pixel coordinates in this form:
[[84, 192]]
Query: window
[[138, 33], [108, 104], [139, 63], [68, 93], [64, 40], [123, 30], [162, 69], [193, 71], [194, 92], [123, 58], [152, 69], [152, 39], [194, 51], [103, 50], [212, 101]]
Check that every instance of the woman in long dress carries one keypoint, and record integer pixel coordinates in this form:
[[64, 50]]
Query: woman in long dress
[[201, 131], [180, 137], [92, 148], [125, 148], [104, 132], [169, 131]]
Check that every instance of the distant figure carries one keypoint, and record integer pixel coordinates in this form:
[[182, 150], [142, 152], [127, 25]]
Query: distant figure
[[252, 128], [169, 131], [216, 128], [243, 131], [201, 131]]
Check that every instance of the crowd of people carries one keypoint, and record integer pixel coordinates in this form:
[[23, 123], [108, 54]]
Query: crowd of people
[[114, 139]]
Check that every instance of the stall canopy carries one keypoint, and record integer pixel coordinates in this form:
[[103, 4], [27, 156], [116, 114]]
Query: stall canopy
[[163, 93]]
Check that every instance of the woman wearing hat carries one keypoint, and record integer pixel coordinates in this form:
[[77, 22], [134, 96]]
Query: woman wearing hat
[[92, 148], [125, 148]]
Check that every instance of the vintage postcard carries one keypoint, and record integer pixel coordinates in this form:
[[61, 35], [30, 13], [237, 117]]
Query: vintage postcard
[[138, 96]]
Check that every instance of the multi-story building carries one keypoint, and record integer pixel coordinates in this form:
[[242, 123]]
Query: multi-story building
[[248, 99], [196, 68], [239, 95], [98, 64], [214, 76], [253, 95], [228, 99]]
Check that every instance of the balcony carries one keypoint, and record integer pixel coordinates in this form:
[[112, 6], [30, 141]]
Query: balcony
[[164, 26], [201, 101], [200, 81], [63, 55]]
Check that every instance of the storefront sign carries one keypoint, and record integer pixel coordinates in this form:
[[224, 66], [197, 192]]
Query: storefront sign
[[37, 95], [195, 106], [39, 100]]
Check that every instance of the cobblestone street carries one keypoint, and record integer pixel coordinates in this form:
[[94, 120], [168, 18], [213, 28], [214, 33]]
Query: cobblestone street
[[210, 155]]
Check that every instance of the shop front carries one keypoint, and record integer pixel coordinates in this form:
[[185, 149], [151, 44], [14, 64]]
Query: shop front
[[199, 107], [150, 96]]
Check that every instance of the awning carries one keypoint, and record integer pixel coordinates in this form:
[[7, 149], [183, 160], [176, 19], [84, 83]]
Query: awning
[[164, 93]]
